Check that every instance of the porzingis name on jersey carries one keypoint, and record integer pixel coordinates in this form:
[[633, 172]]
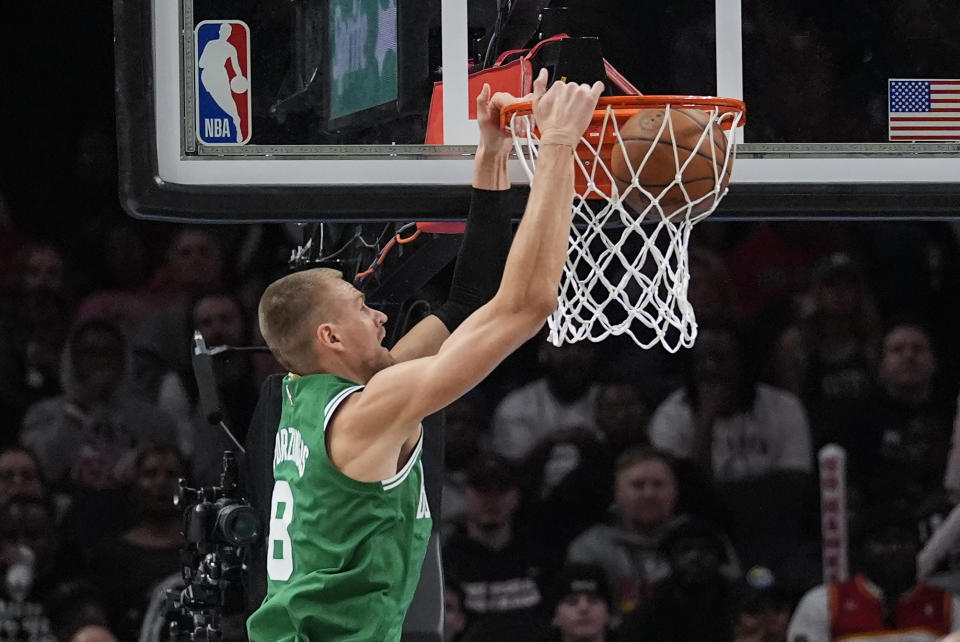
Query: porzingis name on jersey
[[289, 446]]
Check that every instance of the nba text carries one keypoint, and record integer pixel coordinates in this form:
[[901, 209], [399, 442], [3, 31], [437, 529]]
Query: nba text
[[216, 127]]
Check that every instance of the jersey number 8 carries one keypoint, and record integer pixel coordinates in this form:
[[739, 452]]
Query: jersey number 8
[[280, 549]]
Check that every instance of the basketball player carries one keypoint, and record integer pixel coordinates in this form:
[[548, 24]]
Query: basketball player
[[213, 73], [349, 518]]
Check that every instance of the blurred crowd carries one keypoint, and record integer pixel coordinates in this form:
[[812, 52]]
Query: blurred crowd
[[681, 493], [591, 491]]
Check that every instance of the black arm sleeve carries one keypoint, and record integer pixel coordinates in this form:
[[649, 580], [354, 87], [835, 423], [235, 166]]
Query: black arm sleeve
[[480, 261]]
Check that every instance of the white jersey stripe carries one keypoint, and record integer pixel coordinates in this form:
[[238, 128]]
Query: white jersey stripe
[[397, 479], [335, 402]]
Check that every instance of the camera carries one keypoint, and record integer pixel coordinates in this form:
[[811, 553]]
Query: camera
[[218, 526]]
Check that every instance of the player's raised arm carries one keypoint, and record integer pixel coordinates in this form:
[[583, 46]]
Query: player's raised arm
[[486, 238], [401, 395]]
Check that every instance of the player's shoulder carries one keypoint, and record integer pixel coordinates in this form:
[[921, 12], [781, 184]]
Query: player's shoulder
[[375, 411]]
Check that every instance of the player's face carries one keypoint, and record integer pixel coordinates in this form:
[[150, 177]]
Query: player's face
[[581, 616], [361, 330], [646, 493]]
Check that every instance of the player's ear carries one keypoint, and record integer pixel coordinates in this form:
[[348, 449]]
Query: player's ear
[[327, 336]]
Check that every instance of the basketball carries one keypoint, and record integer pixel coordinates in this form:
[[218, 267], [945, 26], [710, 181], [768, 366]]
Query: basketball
[[640, 132], [239, 84]]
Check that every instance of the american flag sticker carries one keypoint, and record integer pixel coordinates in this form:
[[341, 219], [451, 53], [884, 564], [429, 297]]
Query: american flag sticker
[[924, 110]]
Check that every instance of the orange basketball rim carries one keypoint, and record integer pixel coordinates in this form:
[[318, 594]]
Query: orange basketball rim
[[611, 113]]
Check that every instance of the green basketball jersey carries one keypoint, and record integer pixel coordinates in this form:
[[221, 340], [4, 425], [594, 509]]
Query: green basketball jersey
[[343, 556]]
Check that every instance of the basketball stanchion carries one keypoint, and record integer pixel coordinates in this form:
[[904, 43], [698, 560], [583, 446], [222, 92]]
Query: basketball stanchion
[[647, 170]]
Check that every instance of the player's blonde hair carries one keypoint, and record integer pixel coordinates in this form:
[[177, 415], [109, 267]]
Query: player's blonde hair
[[290, 309]]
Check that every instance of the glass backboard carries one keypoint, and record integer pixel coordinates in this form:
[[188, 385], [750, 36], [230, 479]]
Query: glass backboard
[[235, 110]]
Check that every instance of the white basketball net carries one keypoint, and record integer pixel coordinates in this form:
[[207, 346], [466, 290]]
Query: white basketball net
[[627, 272]]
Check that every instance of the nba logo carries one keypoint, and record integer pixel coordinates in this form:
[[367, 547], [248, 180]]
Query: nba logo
[[223, 82]]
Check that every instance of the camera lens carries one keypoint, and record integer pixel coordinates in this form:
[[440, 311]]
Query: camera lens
[[238, 524]]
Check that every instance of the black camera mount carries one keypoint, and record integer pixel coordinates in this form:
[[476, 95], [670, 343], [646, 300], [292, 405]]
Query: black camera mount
[[218, 525]]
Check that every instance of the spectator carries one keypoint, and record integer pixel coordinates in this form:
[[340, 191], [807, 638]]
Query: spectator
[[828, 358], [34, 314], [88, 436], [194, 266], [627, 548], [726, 422], [915, 269], [87, 439], [622, 412], [20, 474], [567, 483], [913, 475], [567, 502], [581, 605], [39, 267], [496, 568], [762, 610], [656, 372], [695, 552], [565, 397], [28, 564], [753, 440], [220, 319], [907, 365], [905, 397], [127, 568], [119, 293], [883, 600], [465, 433]]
